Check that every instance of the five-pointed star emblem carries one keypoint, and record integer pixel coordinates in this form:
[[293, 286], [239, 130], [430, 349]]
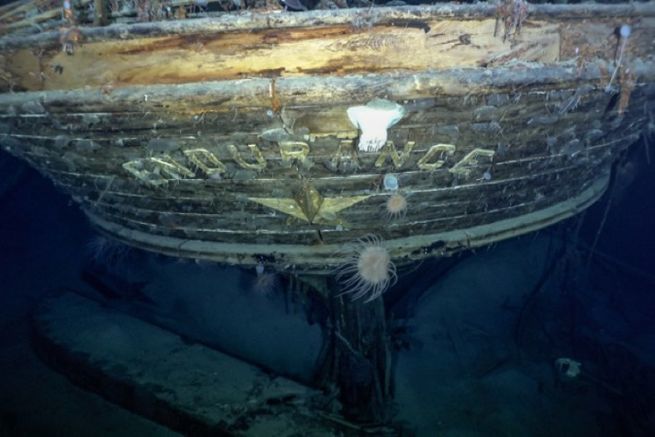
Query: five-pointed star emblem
[[309, 205]]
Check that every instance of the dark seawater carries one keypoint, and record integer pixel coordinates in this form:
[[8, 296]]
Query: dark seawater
[[549, 334]]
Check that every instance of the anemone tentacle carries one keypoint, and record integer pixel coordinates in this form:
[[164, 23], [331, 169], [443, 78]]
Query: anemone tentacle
[[368, 270]]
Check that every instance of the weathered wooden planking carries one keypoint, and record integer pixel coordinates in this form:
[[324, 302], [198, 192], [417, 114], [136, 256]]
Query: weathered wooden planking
[[535, 110], [407, 16], [370, 211], [275, 52], [305, 45], [193, 168], [138, 128], [319, 257], [542, 120], [254, 230], [106, 179], [222, 210], [101, 170], [233, 95], [262, 229]]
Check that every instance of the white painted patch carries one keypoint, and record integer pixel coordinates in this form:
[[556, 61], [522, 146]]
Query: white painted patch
[[373, 119]]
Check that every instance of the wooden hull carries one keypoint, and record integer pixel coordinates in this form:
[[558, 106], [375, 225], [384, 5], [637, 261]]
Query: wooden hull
[[231, 140]]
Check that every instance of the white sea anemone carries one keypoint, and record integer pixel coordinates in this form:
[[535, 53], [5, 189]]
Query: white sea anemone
[[265, 282], [369, 270], [395, 206], [107, 252]]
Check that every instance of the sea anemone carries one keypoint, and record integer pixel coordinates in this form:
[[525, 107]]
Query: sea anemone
[[369, 270], [107, 252], [265, 282], [395, 206]]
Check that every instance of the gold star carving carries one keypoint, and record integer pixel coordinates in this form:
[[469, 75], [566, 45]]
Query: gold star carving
[[309, 205]]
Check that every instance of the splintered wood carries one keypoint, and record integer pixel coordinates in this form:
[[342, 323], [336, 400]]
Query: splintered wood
[[325, 50], [231, 139]]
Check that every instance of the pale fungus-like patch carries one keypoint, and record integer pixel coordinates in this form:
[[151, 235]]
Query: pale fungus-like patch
[[369, 270], [373, 120]]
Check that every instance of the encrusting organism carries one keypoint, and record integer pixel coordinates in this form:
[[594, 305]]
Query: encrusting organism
[[373, 120], [369, 270], [624, 33], [395, 206], [264, 282]]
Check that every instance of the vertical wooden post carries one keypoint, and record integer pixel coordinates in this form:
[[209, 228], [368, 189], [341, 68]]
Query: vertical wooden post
[[357, 359], [364, 364]]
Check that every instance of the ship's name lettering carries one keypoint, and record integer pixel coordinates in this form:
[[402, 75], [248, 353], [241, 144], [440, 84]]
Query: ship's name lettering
[[202, 163]]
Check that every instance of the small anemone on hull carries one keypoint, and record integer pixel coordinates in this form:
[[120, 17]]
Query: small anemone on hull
[[368, 272], [395, 207], [264, 282], [107, 252]]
